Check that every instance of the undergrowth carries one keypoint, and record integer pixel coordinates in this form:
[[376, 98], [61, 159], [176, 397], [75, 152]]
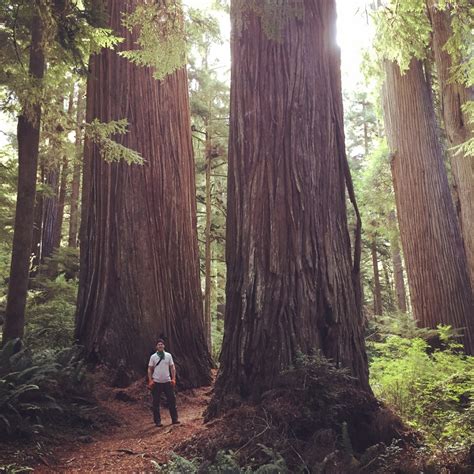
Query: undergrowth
[[432, 389], [224, 462], [38, 391], [51, 304]]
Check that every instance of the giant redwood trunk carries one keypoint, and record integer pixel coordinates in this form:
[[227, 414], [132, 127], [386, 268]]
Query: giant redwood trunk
[[139, 274], [435, 259], [28, 135], [458, 129], [291, 283]]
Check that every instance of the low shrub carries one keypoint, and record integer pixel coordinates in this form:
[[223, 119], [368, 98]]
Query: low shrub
[[34, 392], [431, 390], [50, 313]]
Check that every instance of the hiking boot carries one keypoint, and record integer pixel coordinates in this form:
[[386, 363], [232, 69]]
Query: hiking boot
[[175, 422], [158, 425]]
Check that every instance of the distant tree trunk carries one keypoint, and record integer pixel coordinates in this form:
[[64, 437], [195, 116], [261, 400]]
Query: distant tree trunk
[[28, 144], [76, 173], [389, 302], [208, 256], [57, 233], [50, 212], [458, 130], [139, 258], [291, 283], [377, 290], [398, 276], [436, 262], [37, 231]]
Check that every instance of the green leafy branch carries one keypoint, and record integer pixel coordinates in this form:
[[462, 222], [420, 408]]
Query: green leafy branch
[[161, 37], [100, 133]]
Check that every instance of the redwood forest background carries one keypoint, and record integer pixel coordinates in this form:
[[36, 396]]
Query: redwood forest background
[[307, 233]]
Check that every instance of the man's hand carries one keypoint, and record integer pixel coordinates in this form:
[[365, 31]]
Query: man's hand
[[150, 384], [173, 382]]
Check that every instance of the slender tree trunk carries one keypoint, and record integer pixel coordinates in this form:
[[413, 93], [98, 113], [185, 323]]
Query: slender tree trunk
[[458, 130], [50, 213], [291, 282], [76, 174], [61, 201], [389, 302], [37, 231], [139, 254], [436, 262], [377, 290], [57, 234], [208, 256], [398, 276], [28, 144]]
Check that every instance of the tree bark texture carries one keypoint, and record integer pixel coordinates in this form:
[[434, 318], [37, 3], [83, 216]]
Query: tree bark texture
[[76, 173], [291, 282], [458, 130], [139, 254], [377, 289], [435, 259], [28, 134]]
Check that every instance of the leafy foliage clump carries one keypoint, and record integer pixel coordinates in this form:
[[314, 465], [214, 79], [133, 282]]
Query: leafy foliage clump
[[51, 303], [225, 461], [160, 37], [34, 392], [100, 133], [431, 390], [50, 314]]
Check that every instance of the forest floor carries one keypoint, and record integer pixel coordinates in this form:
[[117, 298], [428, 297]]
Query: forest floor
[[129, 445]]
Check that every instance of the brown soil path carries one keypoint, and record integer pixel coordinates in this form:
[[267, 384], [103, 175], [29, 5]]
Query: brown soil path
[[136, 442]]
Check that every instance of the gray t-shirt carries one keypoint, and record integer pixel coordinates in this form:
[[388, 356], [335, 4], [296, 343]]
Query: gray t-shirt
[[161, 374]]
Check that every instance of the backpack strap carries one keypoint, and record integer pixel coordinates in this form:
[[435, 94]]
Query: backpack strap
[[158, 363]]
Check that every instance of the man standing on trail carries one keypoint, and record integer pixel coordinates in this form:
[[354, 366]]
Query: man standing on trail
[[159, 381]]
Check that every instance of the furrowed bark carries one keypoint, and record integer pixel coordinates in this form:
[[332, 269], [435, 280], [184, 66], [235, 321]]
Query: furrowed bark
[[458, 130], [291, 282], [436, 263], [139, 254], [28, 147]]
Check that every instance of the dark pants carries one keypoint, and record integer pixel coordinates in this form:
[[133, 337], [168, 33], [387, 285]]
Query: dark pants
[[156, 391]]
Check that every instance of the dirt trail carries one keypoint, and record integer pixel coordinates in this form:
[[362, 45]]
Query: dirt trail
[[131, 446]]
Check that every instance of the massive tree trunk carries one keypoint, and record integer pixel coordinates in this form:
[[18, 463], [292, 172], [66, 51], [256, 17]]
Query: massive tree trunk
[[76, 173], [140, 263], [458, 130], [291, 282], [377, 289], [28, 145], [435, 259]]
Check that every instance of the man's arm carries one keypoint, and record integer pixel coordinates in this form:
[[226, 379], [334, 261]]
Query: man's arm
[[173, 374], [150, 374]]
